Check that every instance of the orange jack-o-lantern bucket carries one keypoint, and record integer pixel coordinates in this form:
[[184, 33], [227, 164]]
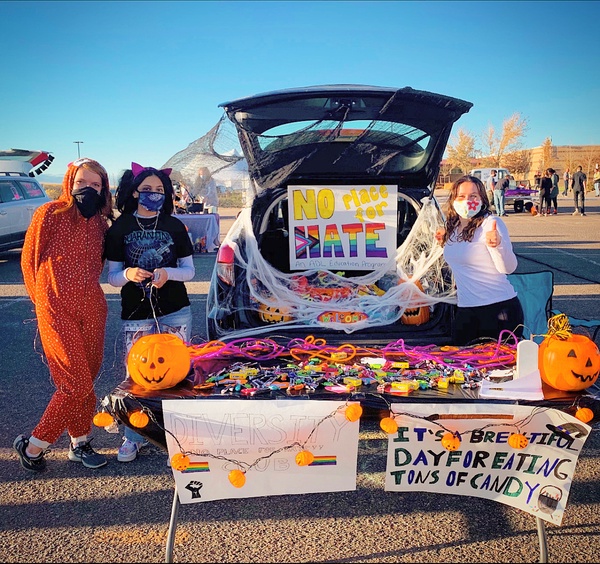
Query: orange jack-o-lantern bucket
[[158, 361], [570, 364], [415, 315]]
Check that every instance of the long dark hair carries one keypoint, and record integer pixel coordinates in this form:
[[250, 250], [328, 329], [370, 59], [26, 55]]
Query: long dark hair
[[453, 219], [129, 183]]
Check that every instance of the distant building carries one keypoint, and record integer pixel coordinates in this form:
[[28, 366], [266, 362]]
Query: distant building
[[561, 158]]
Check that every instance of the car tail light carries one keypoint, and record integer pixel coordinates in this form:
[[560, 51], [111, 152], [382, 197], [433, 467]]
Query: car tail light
[[225, 268]]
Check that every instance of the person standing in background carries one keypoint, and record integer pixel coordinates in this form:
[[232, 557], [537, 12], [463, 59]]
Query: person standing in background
[[597, 180], [490, 186], [578, 186], [206, 188], [553, 198], [499, 194], [545, 189], [62, 260], [566, 178]]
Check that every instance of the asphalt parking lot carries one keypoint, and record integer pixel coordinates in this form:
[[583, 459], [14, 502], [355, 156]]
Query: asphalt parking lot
[[120, 513]]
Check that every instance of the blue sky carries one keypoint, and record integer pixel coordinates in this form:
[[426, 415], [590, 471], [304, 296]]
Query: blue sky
[[139, 81]]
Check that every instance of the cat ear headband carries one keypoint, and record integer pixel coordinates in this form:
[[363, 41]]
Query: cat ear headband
[[137, 169]]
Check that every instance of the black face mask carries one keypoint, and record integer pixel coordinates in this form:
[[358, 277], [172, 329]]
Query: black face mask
[[88, 201]]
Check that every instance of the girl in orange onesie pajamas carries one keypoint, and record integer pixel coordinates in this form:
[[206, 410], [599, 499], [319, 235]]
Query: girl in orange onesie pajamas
[[62, 260]]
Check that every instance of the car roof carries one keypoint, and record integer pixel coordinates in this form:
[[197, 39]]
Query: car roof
[[389, 124]]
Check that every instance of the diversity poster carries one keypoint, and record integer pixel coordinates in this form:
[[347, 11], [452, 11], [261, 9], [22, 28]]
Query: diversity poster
[[342, 227], [262, 439], [535, 479]]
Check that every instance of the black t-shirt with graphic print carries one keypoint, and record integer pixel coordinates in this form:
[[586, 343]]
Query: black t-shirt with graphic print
[[149, 248]]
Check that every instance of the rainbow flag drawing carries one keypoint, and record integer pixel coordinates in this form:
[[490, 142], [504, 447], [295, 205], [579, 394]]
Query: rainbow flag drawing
[[196, 467], [324, 461]]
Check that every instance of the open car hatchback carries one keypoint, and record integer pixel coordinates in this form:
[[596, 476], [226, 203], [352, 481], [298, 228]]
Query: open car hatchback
[[337, 240]]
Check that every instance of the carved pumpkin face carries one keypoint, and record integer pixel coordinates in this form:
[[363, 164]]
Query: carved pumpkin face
[[450, 441], [415, 315], [158, 361], [569, 365], [180, 462], [518, 441], [271, 314]]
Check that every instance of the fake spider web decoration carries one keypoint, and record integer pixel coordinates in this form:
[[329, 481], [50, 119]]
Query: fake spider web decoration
[[338, 142], [219, 152], [382, 296]]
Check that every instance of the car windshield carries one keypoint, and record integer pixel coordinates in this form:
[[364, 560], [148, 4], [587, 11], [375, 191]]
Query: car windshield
[[395, 135]]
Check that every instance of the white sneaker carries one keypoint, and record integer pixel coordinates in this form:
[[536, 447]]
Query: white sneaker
[[129, 450]]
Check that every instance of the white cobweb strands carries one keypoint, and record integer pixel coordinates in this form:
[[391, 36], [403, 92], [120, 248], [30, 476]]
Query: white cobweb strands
[[219, 152], [414, 278]]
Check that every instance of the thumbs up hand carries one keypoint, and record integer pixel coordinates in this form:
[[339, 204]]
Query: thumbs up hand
[[492, 237]]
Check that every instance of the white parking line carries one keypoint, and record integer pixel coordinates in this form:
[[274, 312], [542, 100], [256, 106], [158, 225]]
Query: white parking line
[[553, 250]]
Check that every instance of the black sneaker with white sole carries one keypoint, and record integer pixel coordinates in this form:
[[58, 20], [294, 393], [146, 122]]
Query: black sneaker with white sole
[[31, 463], [84, 453]]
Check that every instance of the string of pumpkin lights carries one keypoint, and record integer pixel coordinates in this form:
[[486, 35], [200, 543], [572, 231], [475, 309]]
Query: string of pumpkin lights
[[451, 440]]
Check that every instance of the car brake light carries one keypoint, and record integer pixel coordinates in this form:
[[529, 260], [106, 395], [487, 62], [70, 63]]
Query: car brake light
[[225, 260]]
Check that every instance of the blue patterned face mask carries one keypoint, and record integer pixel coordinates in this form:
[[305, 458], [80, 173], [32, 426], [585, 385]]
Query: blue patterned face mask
[[152, 201]]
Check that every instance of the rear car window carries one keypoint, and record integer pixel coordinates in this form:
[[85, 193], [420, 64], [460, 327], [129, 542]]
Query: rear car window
[[9, 192], [32, 189]]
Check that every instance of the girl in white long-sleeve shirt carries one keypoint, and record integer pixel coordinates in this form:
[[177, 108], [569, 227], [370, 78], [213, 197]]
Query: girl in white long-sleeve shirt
[[477, 248]]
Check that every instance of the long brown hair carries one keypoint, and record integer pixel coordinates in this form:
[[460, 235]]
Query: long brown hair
[[453, 219], [69, 180]]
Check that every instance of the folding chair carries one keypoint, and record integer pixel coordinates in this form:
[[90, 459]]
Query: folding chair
[[534, 290], [592, 326]]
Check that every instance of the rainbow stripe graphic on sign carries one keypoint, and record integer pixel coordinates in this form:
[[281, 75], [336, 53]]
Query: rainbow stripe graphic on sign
[[324, 461], [196, 467]]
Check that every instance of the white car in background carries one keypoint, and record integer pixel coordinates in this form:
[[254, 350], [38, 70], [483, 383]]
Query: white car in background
[[20, 193]]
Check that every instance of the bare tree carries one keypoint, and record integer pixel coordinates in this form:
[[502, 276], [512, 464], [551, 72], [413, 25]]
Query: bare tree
[[497, 145], [462, 151], [591, 156], [518, 162], [546, 153]]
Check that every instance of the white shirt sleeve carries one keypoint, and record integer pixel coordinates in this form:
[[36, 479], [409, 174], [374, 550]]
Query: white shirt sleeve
[[116, 274], [183, 272], [503, 255]]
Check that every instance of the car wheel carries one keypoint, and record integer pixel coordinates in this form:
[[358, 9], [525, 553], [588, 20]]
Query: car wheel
[[519, 205]]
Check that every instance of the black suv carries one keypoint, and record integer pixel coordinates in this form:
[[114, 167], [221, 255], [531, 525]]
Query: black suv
[[338, 237]]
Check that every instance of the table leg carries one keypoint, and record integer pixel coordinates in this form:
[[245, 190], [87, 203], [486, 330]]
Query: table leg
[[541, 529], [172, 527]]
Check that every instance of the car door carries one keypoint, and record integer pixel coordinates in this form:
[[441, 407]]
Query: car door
[[18, 201], [13, 211]]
